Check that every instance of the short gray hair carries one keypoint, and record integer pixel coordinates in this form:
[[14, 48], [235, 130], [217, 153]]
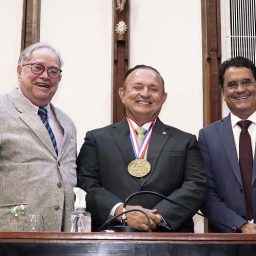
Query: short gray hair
[[25, 55]]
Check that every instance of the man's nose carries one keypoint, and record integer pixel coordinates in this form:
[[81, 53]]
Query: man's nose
[[240, 87], [45, 74], [145, 92]]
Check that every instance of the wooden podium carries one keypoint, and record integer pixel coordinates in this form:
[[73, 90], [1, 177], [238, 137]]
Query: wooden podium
[[125, 244]]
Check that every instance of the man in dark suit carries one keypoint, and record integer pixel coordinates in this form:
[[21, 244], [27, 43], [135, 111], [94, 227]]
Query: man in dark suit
[[113, 164], [227, 202]]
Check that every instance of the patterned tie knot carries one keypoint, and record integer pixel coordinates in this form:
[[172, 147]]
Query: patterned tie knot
[[42, 112], [244, 124], [140, 130]]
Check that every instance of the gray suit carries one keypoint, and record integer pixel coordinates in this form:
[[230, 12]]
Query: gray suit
[[31, 172]]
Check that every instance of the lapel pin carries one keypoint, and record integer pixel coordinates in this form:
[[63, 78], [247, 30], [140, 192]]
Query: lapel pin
[[164, 132]]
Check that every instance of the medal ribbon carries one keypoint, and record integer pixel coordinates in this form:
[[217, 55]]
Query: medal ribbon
[[140, 150]]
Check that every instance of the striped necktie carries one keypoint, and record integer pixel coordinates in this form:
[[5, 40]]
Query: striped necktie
[[42, 112]]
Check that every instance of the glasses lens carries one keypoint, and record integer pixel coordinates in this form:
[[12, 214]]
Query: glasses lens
[[53, 72], [37, 68]]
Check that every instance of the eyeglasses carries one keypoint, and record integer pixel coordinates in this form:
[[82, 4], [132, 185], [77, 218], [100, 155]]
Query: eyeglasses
[[38, 69], [245, 83]]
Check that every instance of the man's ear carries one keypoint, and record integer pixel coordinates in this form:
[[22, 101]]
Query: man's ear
[[19, 69], [121, 92]]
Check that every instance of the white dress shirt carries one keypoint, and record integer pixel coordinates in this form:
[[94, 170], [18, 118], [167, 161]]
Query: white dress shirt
[[237, 129]]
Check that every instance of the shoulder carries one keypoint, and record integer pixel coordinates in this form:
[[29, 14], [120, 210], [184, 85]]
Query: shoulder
[[4, 99], [174, 131], [102, 130], [215, 125]]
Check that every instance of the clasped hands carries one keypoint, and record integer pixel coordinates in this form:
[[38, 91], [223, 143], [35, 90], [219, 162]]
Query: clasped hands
[[137, 219]]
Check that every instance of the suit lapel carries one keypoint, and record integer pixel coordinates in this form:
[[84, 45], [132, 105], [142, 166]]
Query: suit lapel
[[31, 119], [121, 135], [227, 138], [160, 136], [66, 139]]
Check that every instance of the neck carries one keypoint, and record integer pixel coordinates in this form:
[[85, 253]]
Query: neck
[[140, 122]]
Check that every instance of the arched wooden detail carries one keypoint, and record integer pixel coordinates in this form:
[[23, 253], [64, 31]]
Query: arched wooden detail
[[30, 22], [120, 54], [211, 36]]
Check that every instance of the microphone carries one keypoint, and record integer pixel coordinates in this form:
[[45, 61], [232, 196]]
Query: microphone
[[125, 228]]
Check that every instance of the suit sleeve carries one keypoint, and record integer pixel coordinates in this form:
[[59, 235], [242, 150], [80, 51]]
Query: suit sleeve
[[191, 192], [100, 201]]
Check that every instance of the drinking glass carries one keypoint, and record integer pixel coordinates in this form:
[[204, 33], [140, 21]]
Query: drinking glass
[[34, 223]]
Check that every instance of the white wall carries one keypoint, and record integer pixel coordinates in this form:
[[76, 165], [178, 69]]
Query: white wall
[[82, 31], [167, 35], [10, 27]]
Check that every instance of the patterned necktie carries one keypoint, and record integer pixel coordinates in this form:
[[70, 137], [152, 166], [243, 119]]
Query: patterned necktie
[[246, 164], [42, 112], [140, 131]]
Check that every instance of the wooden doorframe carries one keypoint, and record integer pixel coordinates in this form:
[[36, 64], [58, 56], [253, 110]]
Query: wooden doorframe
[[211, 52], [30, 22], [120, 56]]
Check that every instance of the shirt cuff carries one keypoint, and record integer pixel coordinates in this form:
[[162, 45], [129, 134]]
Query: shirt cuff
[[112, 212]]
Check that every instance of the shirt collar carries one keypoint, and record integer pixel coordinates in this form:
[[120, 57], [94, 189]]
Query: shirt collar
[[235, 119], [34, 106], [146, 125]]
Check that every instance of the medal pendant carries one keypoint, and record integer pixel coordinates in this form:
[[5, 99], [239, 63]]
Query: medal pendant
[[139, 168]]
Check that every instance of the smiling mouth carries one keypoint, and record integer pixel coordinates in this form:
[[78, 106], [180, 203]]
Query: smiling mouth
[[242, 98], [143, 102], [41, 85]]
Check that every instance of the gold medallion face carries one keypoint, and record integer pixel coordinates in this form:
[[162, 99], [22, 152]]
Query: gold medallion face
[[139, 168]]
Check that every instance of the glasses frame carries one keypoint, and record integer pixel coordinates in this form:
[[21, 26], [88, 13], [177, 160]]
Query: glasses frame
[[44, 68]]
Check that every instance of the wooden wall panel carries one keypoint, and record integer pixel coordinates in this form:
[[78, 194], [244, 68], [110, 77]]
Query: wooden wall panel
[[30, 22], [121, 55], [211, 36]]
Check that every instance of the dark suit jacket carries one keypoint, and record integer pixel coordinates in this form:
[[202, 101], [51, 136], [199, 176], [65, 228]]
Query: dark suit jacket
[[176, 172], [225, 198]]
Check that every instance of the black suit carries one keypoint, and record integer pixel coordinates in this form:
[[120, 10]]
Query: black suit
[[176, 172]]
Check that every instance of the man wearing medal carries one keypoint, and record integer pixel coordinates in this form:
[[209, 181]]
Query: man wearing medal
[[115, 162]]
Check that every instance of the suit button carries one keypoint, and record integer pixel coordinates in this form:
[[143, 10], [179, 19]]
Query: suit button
[[241, 190], [59, 184], [56, 207]]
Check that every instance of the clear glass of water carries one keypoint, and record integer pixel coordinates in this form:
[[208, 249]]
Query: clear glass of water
[[34, 223]]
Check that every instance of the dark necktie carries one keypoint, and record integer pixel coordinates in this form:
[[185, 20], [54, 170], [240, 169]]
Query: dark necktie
[[246, 164], [42, 112]]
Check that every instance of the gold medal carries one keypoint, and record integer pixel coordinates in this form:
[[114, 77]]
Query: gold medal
[[139, 168]]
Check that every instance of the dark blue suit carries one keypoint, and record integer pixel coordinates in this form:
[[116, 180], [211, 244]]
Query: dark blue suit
[[225, 197]]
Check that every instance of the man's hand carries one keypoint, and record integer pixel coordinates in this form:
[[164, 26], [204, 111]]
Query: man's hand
[[138, 220], [249, 228]]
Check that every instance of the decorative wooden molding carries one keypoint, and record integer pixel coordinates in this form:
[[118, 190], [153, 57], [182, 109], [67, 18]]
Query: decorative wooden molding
[[211, 36], [30, 22], [120, 54]]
